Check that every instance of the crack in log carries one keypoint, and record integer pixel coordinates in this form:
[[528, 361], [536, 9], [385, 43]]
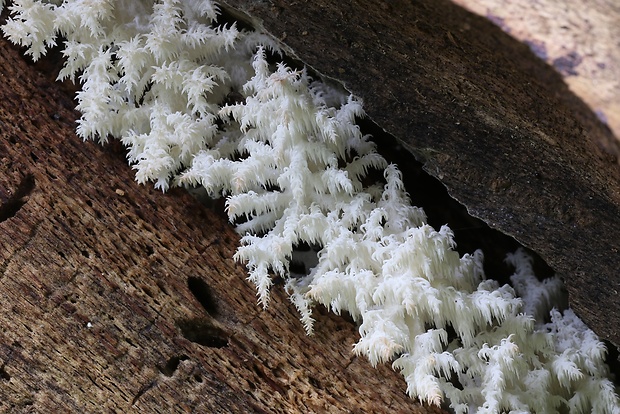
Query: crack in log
[[143, 391], [13, 204]]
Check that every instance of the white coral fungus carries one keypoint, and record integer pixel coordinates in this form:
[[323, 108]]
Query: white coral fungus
[[286, 151]]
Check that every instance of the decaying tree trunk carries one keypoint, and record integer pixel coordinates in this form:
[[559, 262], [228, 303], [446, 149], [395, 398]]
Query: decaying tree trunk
[[118, 298], [489, 119]]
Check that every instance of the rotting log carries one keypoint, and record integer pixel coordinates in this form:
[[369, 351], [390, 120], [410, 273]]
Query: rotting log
[[118, 298], [494, 123]]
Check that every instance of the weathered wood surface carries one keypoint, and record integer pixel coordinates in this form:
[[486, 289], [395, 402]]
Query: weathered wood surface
[[494, 123], [118, 298], [579, 38]]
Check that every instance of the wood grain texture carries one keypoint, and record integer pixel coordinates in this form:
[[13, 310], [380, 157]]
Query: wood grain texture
[[118, 298], [494, 123]]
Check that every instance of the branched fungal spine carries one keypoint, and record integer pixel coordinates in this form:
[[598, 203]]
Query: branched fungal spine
[[293, 164]]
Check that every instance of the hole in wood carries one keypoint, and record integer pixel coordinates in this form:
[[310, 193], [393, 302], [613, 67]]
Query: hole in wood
[[172, 364], [4, 375], [11, 206], [203, 333], [202, 293]]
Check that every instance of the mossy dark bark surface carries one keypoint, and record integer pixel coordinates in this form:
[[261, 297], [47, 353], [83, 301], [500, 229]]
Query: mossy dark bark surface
[[485, 116], [117, 298]]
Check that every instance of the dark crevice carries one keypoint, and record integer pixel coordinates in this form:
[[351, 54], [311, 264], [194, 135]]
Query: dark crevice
[[228, 16], [172, 364], [4, 375], [142, 391], [13, 204], [203, 294], [203, 332]]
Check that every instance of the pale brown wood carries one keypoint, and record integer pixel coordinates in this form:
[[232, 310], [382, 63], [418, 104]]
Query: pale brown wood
[[486, 116], [118, 298]]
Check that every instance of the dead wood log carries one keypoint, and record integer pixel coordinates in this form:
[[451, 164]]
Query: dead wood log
[[118, 298], [489, 119]]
